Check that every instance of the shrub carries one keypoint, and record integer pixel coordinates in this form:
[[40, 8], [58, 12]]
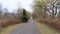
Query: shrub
[[55, 23], [7, 22]]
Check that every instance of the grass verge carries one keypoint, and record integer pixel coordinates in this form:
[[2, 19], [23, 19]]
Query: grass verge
[[10, 28], [45, 29]]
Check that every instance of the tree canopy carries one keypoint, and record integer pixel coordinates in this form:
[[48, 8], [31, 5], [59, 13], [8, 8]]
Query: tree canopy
[[46, 7]]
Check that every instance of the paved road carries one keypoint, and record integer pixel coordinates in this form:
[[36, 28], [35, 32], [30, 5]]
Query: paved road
[[29, 28]]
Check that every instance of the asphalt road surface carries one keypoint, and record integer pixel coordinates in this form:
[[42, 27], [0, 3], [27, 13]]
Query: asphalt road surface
[[29, 28]]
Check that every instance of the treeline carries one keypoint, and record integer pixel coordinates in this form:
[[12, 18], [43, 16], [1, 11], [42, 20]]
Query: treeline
[[47, 12], [8, 18], [47, 8]]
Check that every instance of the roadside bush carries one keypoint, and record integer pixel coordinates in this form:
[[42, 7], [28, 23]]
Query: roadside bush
[[24, 19], [55, 23], [7, 22]]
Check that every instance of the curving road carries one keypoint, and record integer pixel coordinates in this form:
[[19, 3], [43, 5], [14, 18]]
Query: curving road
[[29, 28]]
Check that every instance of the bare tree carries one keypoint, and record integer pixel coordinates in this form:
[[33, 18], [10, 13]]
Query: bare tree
[[52, 8]]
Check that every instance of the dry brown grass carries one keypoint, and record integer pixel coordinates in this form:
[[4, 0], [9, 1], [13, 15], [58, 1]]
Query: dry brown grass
[[7, 22], [45, 29], [55, 23]]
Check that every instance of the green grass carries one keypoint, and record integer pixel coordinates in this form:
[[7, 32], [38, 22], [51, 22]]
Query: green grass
[[10, 28], [45, 29]]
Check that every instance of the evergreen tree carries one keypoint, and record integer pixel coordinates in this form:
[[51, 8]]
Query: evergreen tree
[[24, 16]]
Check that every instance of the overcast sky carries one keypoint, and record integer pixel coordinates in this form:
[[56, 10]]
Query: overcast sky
[[12, 4]]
